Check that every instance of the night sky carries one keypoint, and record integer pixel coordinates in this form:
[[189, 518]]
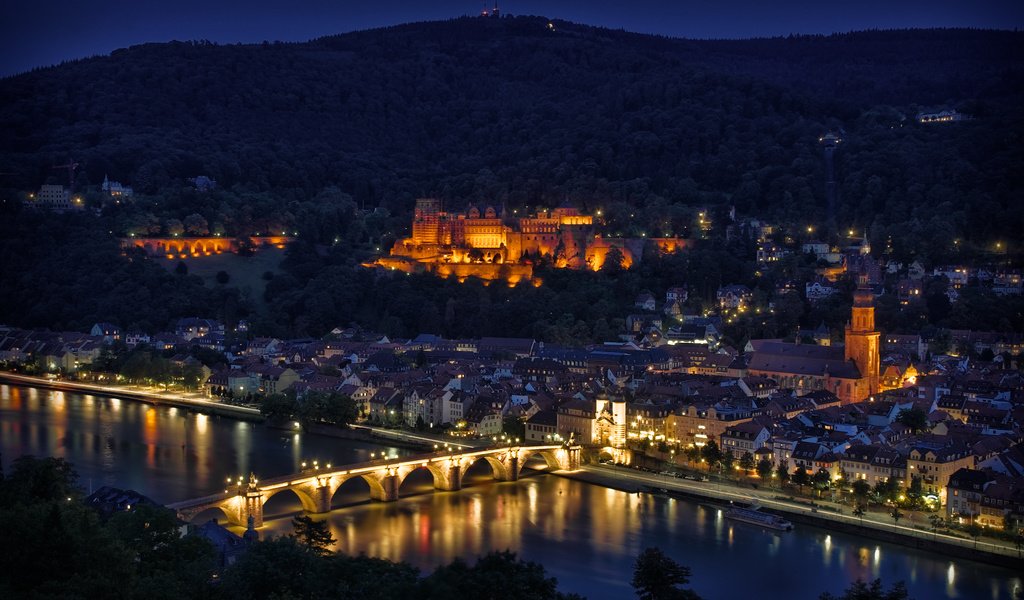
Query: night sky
[[43, 32]]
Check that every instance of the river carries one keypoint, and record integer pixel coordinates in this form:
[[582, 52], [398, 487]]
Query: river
[[587, 536]]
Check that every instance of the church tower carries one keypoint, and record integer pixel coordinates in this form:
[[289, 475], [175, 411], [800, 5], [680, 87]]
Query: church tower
[[862, 340]]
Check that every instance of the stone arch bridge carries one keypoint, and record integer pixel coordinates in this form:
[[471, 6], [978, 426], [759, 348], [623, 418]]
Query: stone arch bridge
[[316, 487]]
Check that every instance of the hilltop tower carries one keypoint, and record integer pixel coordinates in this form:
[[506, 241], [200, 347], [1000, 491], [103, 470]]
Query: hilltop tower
[[862, 340]]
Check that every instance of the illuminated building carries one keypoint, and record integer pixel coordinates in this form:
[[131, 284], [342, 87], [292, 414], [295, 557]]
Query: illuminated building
[[488, 243], [852, 372]]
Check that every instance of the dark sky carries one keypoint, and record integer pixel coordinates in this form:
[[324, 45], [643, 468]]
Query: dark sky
[[43, 32]]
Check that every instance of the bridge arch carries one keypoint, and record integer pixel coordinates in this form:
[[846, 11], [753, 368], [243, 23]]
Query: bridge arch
[[439, 477], [550, 459], [206, 513], [498, 468], [374, 483], [307, 501]]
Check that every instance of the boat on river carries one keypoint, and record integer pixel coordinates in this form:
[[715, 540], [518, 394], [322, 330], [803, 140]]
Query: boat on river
[[755, 517]]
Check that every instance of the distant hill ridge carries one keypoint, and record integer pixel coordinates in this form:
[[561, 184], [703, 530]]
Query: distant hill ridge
[[521, 112]]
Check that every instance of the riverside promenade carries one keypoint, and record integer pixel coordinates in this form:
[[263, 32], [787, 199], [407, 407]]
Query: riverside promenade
[[823, 514], [193, 401]]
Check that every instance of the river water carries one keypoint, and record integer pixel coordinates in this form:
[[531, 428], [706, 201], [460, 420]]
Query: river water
[[587, 536]]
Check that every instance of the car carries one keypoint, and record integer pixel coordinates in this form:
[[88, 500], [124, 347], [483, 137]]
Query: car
[[690, 477]]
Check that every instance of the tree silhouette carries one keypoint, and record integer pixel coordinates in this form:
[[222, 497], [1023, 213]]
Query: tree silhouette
[[658, 577], [314, 535]]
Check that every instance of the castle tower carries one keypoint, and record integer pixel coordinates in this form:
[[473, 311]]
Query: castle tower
[[426, 223], [862, 340]]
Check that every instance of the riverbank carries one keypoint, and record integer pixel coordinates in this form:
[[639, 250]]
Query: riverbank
[[637, 482], [156, 398]]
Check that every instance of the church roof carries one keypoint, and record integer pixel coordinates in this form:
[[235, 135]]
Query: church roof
[[802, 359]]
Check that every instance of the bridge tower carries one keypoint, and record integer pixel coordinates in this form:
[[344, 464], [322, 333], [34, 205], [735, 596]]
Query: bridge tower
[[252, 503]]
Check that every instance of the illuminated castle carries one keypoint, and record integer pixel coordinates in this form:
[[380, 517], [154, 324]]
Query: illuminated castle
[[490, 244]]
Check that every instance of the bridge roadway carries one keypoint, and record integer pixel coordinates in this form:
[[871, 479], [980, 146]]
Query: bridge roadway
[[315, 487]]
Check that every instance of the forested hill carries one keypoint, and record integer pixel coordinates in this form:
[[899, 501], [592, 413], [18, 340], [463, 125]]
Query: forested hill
[[521, 111]]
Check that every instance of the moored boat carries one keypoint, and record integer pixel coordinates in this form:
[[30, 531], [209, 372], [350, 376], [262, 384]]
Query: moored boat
[[755, 517]]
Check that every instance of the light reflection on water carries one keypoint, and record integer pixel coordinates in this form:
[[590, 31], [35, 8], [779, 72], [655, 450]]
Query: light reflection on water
[[586, 536]]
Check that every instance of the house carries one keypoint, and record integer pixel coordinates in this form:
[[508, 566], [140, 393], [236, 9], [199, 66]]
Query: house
[[56, 198], [542, 426], [676, 294], [934, 465], [193, 327], [1007, 283], [227, 546], [910, 344], [909, 290], [769, 252], [942, 116], [697, 421], [482, 419], [874, 464], [262, 346], [108, 331], [645, 301], [274, 380], [819, 290], [964, 491], [134, 338], [734, 296], [822, 251], [116, 189], [545, 370], [749, 436], [511, 347], [956, 274], [648, 420]]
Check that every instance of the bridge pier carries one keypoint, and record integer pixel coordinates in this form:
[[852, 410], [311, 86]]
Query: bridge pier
[[387, 491], [252, 506], [322, 496], [452, 480]]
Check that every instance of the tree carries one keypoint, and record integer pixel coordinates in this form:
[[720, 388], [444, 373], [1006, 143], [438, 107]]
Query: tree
[[656, 576], [174, 227], [747, 462], [801, 478], [195, 224], [782, 473], [915, 492], [692, 454], [896, 515], [887, 490], [728, 460], [513, 427], [711, 453], [822, 479], [279, 407], [314, 535], [496, 575], [863, 591], [764, 468], [613, 262], [861, 489], [913, 418]]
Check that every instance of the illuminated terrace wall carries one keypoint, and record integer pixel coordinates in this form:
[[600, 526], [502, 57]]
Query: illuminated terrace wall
[[197, 247]]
